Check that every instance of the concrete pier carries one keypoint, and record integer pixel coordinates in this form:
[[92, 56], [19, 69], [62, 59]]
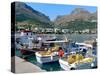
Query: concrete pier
[[22, 66]]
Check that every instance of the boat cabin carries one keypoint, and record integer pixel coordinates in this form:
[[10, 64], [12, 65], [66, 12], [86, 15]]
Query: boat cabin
[[26, 32]]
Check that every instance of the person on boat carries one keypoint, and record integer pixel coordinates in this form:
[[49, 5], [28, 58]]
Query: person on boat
[[61, 52]]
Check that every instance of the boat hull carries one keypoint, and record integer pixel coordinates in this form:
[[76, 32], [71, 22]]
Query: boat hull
[[25, 52], [64, 65], [46, 59], [75, 66]]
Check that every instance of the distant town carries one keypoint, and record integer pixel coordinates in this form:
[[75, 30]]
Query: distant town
[[54, 30]]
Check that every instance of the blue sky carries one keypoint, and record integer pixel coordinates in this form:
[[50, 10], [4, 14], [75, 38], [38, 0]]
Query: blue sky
[[53, 10]]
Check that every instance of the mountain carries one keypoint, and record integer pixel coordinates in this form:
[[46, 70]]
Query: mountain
[[27, 15], [78, 19], [76, 14]]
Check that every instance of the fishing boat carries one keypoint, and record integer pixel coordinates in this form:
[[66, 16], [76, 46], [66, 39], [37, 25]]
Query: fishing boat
[[79, 60], [76, 62], [31, 44], [22, 33], [47, 56], [92, 42], [51, 54]]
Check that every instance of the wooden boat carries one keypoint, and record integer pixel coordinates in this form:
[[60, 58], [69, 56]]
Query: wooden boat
[[52, 54], [77, 62], [47, 56]]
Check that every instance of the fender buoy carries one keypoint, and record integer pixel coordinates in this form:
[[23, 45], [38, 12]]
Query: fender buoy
[[61, 53]]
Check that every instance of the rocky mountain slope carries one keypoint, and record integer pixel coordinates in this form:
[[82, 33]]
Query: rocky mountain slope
[[26, 14], [78, 19], [76, 14]]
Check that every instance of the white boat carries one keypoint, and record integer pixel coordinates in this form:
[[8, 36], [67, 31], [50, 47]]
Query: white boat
[[64, 65], [85, 63], [46, 58], [49, 57], [61, 41], [84, 44], [89, 60]]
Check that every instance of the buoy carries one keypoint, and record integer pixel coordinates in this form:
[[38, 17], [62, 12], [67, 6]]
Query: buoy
[[92, 64]]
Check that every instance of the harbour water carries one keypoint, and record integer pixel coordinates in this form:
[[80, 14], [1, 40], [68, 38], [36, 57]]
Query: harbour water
[[55, 66], [74, 37]]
